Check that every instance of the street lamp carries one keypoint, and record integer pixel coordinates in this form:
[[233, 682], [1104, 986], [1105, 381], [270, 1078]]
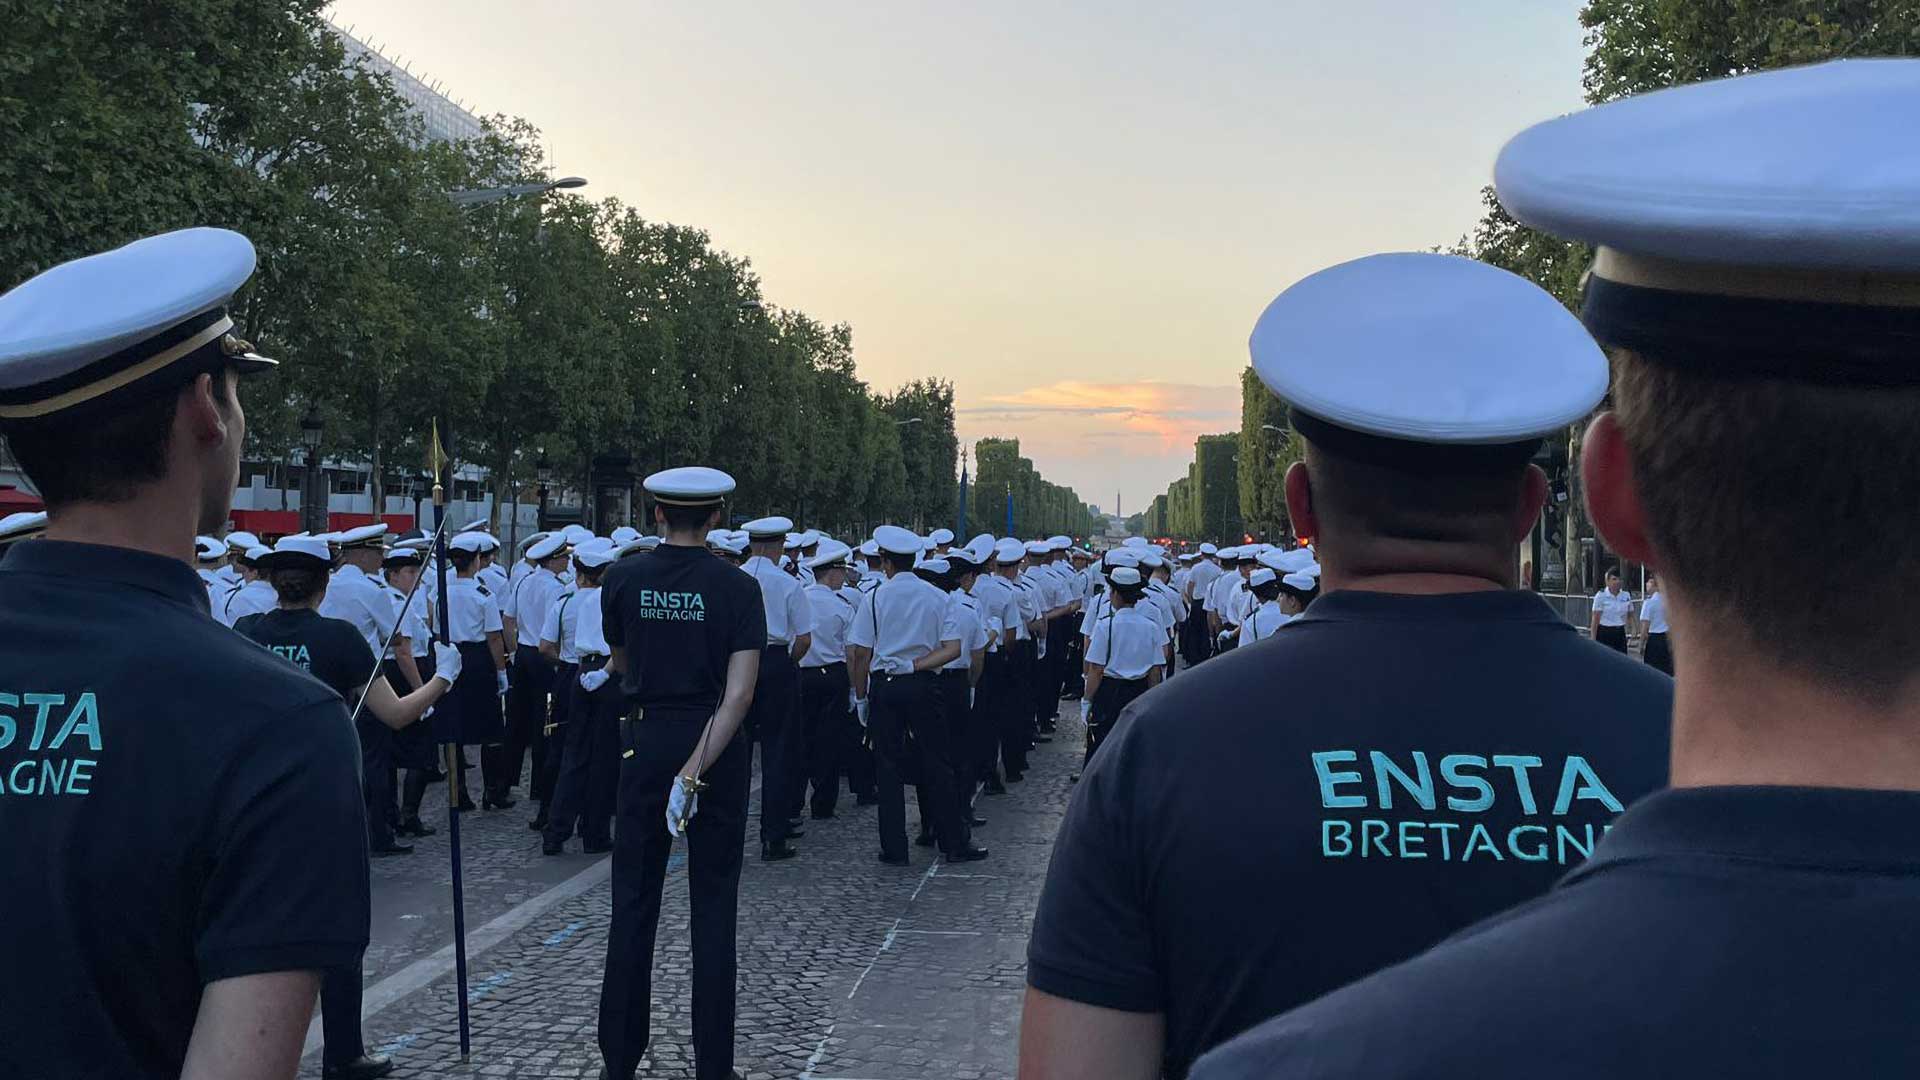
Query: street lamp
[[904, 423], [543, 472], [1272, 428], [481, 196], [313, 501]]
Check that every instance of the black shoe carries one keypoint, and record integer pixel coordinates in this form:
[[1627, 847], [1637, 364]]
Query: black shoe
[[1074, 779], [970, 853], [776, 851], [901, 861], [502, 802], [976, 821], [466, 805], [795, 823], [414, 827], [549, 847], [597, 849], [794, 832], [923, 840], [364, 1067], [394, 849], [539, 823]]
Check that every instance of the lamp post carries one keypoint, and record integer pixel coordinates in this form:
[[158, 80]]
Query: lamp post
[[481, 196], [542, 472], [313, 500]]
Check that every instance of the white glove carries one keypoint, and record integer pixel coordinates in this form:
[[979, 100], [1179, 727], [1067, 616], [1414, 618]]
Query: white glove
[[853, 701], [449, 666], [1086, 712], [593, 680], [500, 680], [860, 710], [681, 805], [970, 693]]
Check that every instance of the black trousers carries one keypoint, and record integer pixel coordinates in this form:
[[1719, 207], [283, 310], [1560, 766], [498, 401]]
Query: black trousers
[[1196, 643], [1073, 681], [1060, 635], [1015, 711], [909, 743], [546, 776], [982, 742], [654, 747], [376, 777], [776, 703], [1659, 652], [527, 712], [957, 712], [589, 781], [340, 998], [1613, 637], [825, 717], [1113, 696]]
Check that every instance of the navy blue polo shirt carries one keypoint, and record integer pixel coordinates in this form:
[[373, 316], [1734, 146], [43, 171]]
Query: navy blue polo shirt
[[1751, 932], [1380, 773], [177, 806], [680, 613]]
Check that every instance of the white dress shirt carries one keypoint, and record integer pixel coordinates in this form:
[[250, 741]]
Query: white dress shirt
[[965, 613], [1655, 612], [254, 597], [531, 598], [589, 627], [1219, 589], [789, 615], [354, 597], [832, 613], [1126, 644], [495, 579], [1202, 577], [1613, 607], [1263, 621], [901, 621], [413, 623], [563, 622], [471, 613]]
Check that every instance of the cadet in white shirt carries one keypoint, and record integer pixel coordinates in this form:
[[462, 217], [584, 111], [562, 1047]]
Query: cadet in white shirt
[[774, 716], [407, 666], [1007, 600], [1125, 656], [531, 676], [993, 597], [353, 595], [953, 573], [900, 638], [1196, 639], [253, 596], [1612, 608], [829, 733], [207, 556], [470, 713], [587, 783], [1656, 649]]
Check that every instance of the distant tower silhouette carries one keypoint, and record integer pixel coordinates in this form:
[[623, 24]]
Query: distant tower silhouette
[[1118, 510]]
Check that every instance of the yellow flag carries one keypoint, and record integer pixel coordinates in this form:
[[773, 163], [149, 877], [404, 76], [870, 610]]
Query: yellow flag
[[436, 455]]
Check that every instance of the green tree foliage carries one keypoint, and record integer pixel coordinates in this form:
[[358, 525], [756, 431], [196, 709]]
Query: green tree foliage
[[1040, 508], [1205, 503], [548, 328], [1265, 456]]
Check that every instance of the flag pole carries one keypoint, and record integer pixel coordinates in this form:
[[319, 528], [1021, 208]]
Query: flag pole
[[456, 783]]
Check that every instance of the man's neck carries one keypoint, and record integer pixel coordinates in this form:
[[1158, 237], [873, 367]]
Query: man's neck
[[156, 521], [1741, 719]]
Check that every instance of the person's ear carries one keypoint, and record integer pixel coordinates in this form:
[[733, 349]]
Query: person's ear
[[1613, 499], [1300, 501], [203, 412], [1533, 496]]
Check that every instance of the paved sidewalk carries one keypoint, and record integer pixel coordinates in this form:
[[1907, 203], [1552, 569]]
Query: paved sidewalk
[[848, 968]]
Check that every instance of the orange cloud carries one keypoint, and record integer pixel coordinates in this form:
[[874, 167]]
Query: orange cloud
[[1083, 419]]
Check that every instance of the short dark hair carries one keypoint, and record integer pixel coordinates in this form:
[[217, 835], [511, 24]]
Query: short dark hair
[[899, 564], [296, 585], [588, 575], [1456, 507], [122, 451], [1731, 471], [687, 518], [1612, 571], [461, 558]]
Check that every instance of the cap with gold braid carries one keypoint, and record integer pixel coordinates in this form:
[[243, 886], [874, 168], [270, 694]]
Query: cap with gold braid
[[134, 322], [693, 486]]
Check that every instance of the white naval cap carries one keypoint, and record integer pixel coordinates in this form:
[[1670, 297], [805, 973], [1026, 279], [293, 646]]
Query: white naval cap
[[252, 555], [469, 541], [941, 536], [1301, 581], [1261, 577], [895, 540], [692, 486], [22, 526], [415, 540], [207, 549], [1122, 557], [937, 566], [1188, 556], [1125, 577], [831, 553], [768, 528], [363, 536], [1764, 225], [527, 542], [296, 552], [810, 538], [733, 543], [1152, 560], [122, 325], [548, 547], [402, 553], [625, 534], [1209, 549], [1426, 362], [242, 540], [981, 549], [638, 543], [576, 534], [1009, 551], [595, 553], [1059, 543], [477, 525], [1038, 547], [1287, 562], [1136, 541], [790, 541], [870, 549]]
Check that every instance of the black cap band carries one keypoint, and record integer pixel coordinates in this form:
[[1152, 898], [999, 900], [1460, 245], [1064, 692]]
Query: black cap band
[[1405, 455]]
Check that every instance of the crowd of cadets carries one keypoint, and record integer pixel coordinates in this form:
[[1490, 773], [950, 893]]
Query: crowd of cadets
[[1039, 622]]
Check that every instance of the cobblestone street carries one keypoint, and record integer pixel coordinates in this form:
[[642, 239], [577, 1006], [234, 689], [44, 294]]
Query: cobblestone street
[[848, 968]]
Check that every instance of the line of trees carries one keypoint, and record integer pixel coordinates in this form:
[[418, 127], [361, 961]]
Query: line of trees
[[555, 328], [1039, 507]]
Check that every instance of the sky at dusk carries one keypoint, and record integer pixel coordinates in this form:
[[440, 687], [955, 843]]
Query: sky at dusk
[[1074, 211]]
